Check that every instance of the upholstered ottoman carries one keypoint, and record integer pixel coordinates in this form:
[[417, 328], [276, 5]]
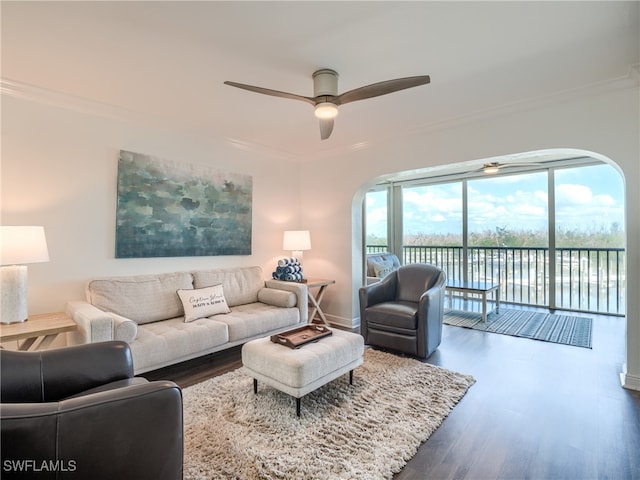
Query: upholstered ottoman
[[302, 370]]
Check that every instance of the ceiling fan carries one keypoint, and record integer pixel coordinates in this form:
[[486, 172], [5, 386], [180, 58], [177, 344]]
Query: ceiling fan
[[492, 168], [325, 94]]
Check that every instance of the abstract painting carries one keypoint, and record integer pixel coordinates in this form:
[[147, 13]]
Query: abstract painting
[[171, 209]]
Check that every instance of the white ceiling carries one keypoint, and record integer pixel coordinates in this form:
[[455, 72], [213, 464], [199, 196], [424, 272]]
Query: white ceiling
[[168, 61]]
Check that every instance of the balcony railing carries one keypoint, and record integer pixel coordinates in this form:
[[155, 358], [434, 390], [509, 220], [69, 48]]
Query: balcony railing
[[586, 279]]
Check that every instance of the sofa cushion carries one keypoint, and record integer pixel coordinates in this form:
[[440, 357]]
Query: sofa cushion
[[254, 319], [240, 285], [141, 298], [203, 302], [173, 340]]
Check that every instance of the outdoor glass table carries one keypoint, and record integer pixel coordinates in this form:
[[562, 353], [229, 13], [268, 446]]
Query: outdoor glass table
[[476, 288]]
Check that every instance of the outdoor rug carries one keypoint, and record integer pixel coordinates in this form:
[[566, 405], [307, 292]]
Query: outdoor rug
[[367, 430], [564, 329]]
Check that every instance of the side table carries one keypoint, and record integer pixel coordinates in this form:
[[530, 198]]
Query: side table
[[315, 300], [476, 288], [45, 327]]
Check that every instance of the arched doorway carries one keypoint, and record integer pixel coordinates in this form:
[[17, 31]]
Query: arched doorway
[[548, 225]]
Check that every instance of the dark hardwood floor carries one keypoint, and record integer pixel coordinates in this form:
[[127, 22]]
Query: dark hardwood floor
[[537, 410]]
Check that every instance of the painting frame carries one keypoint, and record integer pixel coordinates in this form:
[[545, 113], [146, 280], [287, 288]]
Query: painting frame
[[173, 209]]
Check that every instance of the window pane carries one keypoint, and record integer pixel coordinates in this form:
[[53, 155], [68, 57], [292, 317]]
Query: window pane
[[508, 211], [376, 221], [508, 235], [589, 207], [432, 214], [590, 259], [432, 225]]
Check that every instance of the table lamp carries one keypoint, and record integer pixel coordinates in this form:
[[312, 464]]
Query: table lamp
[[18, 246], [297, 241]]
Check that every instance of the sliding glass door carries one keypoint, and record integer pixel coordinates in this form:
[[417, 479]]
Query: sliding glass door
[[590, 260], [508, 225], [552, 237]]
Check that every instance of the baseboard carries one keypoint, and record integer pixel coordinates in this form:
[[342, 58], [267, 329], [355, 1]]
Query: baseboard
[[632, 382], [343, 322]]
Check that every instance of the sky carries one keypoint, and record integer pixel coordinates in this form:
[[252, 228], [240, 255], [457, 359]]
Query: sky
[[587, 199]]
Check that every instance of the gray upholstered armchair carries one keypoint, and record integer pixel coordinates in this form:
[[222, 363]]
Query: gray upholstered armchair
[[404, 310], [78, 412]]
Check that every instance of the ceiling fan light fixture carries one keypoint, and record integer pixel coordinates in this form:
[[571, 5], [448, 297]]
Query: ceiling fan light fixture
[[491, 168], [326, 110]]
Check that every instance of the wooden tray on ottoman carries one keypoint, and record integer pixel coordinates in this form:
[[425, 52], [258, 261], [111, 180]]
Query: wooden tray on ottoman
[[301, 336]]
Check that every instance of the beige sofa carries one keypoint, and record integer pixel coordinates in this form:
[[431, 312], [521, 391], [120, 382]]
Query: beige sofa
[[147, 312]]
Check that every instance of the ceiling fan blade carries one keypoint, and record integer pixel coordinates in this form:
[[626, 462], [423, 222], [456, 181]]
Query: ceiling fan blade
[[382, 88], [273, 93], [326, 127]]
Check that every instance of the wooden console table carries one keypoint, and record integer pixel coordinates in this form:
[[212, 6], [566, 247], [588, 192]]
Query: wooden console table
[[45, 327]]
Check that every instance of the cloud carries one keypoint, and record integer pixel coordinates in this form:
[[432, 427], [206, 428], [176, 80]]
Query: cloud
[[604, 200], [572, 194], [377, 215], [433, 201]]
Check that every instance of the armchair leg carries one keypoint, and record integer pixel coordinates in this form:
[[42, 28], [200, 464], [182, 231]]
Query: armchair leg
[[255, 386]]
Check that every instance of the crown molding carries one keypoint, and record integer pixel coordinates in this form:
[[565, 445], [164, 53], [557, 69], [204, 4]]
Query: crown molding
[[44, 96], [25, 91]]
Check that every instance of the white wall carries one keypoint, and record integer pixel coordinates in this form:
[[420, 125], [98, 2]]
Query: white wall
[[59, 169], [606, 124]]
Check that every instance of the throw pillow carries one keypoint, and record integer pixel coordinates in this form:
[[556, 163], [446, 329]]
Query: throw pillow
[[277, 298], [124, 329], [382, 269], [203, 302]]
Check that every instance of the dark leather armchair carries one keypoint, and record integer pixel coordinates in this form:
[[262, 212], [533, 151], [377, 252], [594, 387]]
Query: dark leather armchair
[[78, 413], [404, 311]]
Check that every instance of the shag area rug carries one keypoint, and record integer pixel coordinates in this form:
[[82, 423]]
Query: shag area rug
[[564, 329], [368, 430]]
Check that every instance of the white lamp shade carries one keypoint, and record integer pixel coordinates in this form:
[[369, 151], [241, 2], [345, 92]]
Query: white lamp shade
[[21, 245], [297, 240]]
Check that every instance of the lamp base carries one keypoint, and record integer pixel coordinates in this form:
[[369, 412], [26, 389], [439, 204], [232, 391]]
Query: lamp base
[[13, 294]]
